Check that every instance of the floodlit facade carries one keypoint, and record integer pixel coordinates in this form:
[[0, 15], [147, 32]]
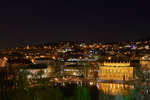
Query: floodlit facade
[[73, 70], [79, 70], [116, 70], [145, 62], [39, 71]]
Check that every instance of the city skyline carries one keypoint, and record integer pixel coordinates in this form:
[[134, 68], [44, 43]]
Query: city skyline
[[30, 23], [74, 50]]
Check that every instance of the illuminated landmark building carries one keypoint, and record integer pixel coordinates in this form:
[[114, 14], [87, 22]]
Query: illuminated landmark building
[[116, 70]]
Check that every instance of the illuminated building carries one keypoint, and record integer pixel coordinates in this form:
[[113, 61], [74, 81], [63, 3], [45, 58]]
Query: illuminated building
[[145, 62], [73, 68], [39, 71], [116, 70]]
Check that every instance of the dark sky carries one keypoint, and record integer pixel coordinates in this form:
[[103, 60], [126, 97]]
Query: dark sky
[[35, 22]]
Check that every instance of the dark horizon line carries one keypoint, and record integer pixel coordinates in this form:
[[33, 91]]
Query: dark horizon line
[[87, 42]]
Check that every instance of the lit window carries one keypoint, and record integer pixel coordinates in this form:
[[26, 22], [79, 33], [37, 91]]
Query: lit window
[[114, 71]]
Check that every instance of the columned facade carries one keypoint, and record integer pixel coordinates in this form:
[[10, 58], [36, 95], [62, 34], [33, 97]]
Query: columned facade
[[116, 70]]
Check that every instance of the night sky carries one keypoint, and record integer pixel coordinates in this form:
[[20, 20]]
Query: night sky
[[35, 22]]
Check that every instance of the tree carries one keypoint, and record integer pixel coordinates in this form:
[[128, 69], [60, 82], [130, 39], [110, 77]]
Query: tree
[[118, 97], [103, 96], [81, 93], [140, 91]]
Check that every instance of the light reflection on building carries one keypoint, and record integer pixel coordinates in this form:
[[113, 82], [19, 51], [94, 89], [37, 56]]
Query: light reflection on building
[[107, 88], [114, 88]]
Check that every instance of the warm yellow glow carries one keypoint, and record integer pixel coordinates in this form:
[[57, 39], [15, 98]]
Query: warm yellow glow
[[5, 58], [117, 63], [28, 47], [109, 58], [74, 73], [113, 88], [54, 57], [112, 71], [33, 61]]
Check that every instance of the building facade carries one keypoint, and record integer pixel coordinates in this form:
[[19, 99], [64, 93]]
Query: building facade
[[80, 68], [38, 71], [145, 62], [116, 70]]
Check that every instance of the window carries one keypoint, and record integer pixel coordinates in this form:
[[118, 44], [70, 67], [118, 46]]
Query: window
[[114, 71]]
